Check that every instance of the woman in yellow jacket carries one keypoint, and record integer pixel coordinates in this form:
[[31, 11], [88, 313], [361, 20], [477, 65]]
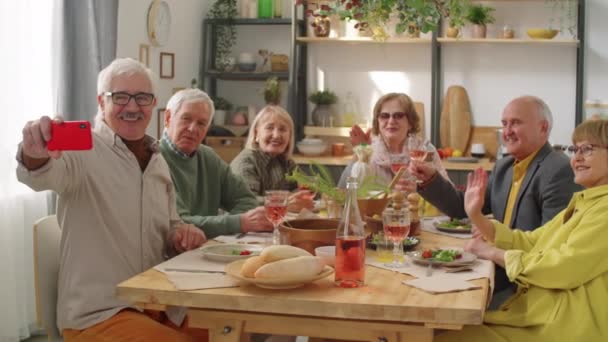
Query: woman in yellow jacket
[[561, 268]]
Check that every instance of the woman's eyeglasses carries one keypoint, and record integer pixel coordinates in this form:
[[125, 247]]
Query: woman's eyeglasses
[[396, 116], [585, 149]]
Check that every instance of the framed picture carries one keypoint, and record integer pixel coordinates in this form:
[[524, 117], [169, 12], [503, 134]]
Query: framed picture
[[175, 90], [144, 54], [167, 65], [160, 122]]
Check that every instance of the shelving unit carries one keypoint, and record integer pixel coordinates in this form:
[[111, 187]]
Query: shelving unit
[[364, 40], [436, 43], [295, 76]]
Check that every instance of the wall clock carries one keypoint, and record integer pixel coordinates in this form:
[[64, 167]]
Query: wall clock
[[159, 22]]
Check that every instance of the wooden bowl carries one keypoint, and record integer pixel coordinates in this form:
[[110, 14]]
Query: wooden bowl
[[309, 234], [539, 33], [371, 207]]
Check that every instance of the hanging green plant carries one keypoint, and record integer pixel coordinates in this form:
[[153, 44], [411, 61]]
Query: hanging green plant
[[225, 34]]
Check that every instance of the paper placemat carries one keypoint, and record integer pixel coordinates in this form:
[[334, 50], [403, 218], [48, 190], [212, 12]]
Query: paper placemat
[[480, 269], [441, 284], [428, 226], [249, 238], [188, 279], [197, 281], [191, 260]]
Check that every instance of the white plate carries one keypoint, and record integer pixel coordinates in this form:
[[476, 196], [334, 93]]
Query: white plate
[[234, 269], [224, 252], [467, 259]]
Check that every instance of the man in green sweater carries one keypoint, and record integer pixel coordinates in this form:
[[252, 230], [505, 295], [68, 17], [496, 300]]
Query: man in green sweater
[[202, 180]]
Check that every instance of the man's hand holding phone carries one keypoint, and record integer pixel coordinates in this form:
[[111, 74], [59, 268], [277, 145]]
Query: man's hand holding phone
[[46, 138]]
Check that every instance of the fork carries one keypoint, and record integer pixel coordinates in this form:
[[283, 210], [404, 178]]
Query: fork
[[429, 270]]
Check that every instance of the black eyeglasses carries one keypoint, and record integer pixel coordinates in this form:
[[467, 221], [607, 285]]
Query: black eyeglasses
[[585, 149], [122, 98], [396, 116]]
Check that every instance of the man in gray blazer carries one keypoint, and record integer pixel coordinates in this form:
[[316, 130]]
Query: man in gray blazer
[[541, 190]]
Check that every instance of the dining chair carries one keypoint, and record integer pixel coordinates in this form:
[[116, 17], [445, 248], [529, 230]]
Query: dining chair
[[47, 238]]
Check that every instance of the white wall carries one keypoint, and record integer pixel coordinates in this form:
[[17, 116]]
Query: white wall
[[184, 42], [491, 73], [596, 54]]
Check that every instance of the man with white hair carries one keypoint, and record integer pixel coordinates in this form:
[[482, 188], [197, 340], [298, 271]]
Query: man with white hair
[[203, 181], [527, 188], [116, 208]]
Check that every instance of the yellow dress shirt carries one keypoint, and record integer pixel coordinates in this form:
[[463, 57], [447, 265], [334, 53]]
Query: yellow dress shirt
[[519, 172]]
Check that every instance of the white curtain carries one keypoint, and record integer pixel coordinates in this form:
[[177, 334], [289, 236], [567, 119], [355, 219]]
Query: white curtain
[[26, 94]]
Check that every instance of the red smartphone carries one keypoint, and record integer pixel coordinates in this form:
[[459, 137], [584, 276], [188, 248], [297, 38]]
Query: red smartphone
[[70, 136]]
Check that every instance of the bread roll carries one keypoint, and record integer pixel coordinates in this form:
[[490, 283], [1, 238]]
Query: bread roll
[[280, 252], [251, 265], [300, 267]]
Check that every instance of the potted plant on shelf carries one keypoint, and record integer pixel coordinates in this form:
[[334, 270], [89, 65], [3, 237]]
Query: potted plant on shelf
[[454, 12], [225, 34], [222, 106], [272, 91], [322, 113], [416, 16], [321, 22], [480, 16]]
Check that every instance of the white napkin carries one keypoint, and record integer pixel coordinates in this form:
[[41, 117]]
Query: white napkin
[[428, 226], [249, 238]]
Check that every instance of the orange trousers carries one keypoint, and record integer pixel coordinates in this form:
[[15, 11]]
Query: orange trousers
[[134, 326]]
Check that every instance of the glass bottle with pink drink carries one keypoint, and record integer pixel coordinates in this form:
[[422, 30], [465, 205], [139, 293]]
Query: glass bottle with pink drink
[[350, 242]]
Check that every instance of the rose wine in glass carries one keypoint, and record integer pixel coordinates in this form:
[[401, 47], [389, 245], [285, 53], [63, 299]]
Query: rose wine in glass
[[275, 205], [350, 261], [350, 242], [396, 222], [398, 161], [419, 155]]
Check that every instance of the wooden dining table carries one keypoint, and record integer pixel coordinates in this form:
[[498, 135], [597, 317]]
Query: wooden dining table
[[382, 310]]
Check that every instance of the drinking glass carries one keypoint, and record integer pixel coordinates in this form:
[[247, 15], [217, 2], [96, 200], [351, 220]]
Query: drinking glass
[[396, 228], [418, 149], [398, 161], [275, 205]]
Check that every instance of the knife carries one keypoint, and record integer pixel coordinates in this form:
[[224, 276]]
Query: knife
[[191, 271]]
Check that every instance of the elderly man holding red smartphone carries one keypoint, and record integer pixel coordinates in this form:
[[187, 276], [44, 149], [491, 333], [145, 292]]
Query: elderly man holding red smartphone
[[116, 208]]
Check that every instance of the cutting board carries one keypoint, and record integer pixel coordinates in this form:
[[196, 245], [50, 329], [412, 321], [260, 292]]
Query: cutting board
[[455, 122]]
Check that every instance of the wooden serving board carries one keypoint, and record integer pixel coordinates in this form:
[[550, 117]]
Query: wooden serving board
[[455, 122]]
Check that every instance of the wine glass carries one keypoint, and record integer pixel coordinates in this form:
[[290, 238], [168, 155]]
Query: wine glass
[[398, 161], [275, 205], [396, 224], [418, 148]]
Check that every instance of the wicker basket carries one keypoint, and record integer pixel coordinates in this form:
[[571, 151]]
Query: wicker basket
[[279, 63], [309, 234]]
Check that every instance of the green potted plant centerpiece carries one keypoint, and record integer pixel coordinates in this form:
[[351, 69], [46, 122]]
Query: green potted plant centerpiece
[[322, 113], [480, 16]]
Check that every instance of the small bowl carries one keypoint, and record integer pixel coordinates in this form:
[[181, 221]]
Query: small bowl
[[246, 67], [311, 141], [539, 33], [327, 254], [311, 149]]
